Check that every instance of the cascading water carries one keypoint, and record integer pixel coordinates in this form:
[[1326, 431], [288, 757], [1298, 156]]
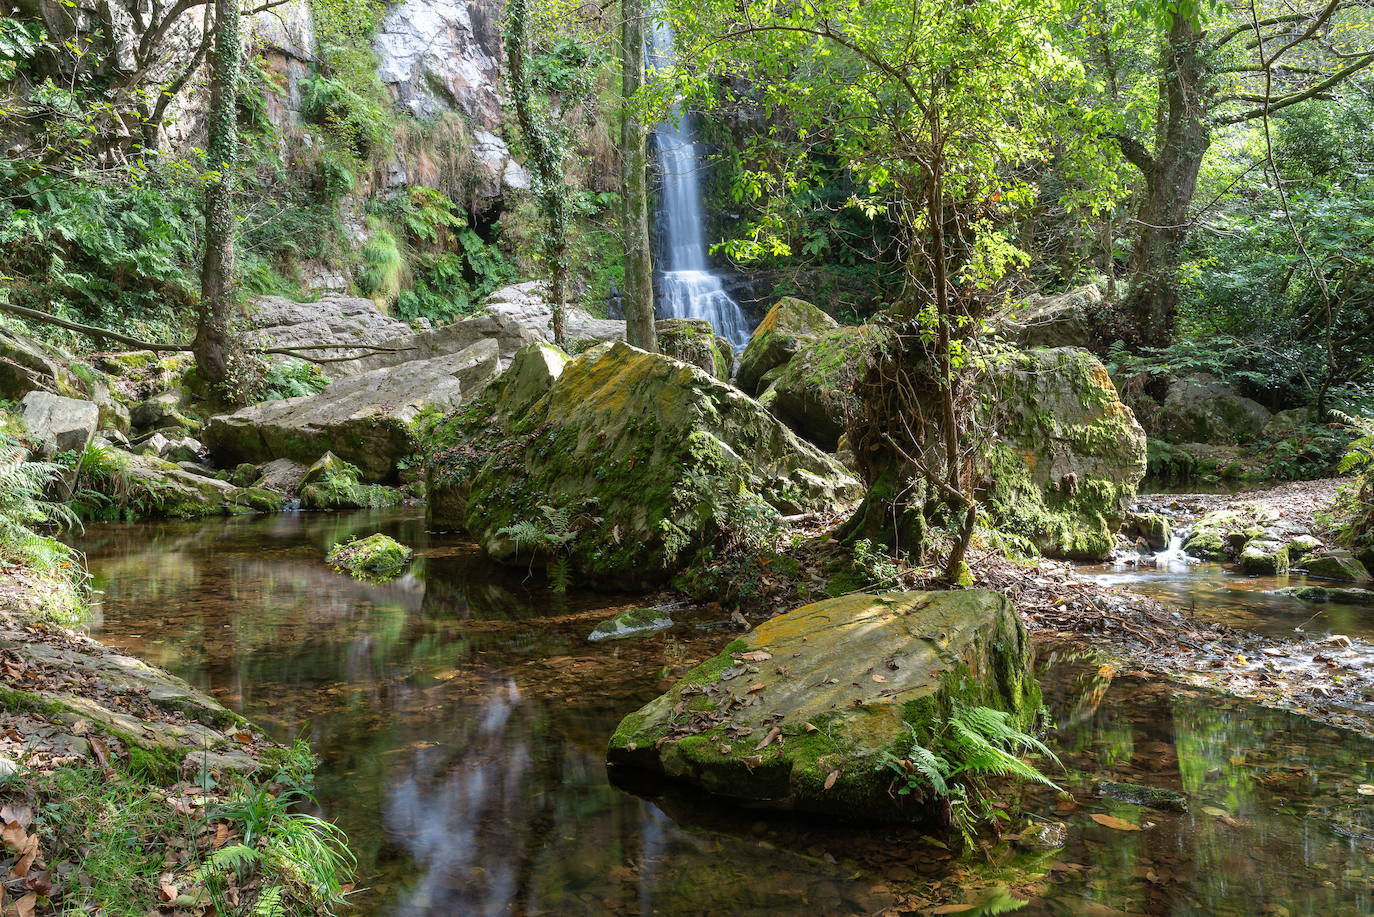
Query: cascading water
[[688, 289]]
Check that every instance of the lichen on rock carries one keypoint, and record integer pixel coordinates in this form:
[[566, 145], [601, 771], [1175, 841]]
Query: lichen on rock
[[787, 327], [799, 713]]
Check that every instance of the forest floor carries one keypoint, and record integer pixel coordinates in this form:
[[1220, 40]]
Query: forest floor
[[1329, 678]]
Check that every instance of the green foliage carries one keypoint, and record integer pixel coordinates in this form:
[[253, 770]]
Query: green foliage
[[292, 378], [340, 488], [383, 264], [551, 537], [351, 111], [971, 745]]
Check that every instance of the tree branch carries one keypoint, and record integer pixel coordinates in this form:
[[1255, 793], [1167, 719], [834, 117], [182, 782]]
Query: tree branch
[[1313, 90], [1136, 154]]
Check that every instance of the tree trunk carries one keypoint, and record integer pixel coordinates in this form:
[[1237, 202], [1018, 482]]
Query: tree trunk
[[214, 347], [1170, 183], [546, 159], [639, 278]]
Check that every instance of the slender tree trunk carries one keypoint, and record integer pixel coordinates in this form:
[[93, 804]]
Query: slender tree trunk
[[214, 347], [639, 278], [546, 159], [1170, 183]]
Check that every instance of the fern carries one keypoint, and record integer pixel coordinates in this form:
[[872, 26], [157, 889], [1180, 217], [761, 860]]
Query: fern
[[553, 536], [270, 903]]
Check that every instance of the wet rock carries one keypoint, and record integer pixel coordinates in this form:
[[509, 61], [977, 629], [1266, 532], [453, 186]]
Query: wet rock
[[365, 419], [1264, 557], [282, 476], [164, 414], [631, 623], [813, 393], [1044, 836], [1067, 456], [374, 556], [788, 326], [639, 444], [1338, 564], [244, 474], [1326, 594], [694, 341], [800, 712], [1153, 527], [1200, 409], [1152, 797], [59, 424]]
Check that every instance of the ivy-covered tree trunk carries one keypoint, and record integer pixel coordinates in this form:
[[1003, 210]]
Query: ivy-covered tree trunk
[[1171, 175], [214, 347], [639, 278], [545, 155]]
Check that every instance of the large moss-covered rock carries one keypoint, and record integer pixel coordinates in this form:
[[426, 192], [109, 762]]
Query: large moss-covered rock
[[786, 328], [1338, 564], [640, 449], [842, 682], [693, 340], [368, 419], [814, 392], [151, 486], [29, 366], [1201, 409], [1065, 455]]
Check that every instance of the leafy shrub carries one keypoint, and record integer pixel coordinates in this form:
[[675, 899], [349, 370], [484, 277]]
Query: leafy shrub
[[291, 379]]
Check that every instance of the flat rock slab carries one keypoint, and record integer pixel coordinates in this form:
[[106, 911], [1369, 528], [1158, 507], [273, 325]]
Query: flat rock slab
[[364, 419], [799, 713]]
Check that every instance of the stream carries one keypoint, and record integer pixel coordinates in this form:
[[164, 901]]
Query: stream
[[461, 718]]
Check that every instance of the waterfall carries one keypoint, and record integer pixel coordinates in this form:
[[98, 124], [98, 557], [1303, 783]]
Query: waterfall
[[688, 288]]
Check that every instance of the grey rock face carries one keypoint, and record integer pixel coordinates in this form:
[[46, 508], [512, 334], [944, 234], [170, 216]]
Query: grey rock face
[[364, 419], [1200, 409], [60, 424]]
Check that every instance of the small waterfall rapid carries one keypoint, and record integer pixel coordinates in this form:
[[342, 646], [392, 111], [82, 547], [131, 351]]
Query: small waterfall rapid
[[689, 289]]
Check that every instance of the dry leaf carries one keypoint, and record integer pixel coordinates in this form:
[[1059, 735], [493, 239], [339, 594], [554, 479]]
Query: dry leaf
[[1111, 821], [810, 728], [830, 779], [25, 905], [754, 688], [167, 892], [102, 754], [767, 740], [877, 677], [953, 908], [27, 856], [756, 656], [221, 835]]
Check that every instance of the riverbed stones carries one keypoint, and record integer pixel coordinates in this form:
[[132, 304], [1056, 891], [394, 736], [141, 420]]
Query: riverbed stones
[[640, 454], [787, 327], [367, 419], [1064, 455], [800, 712]]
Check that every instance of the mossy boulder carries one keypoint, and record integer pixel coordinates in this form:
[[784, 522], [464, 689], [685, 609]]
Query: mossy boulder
[[368, 419], [1153, 527], [29, 366], [1065, 455], [376, 556], [152, 486], [1338, 564], [800, 712], [693, 340], [1264, 557], [637, 447], [1201, 409], [787, 327], [332, 483], [631, 623], [814, 392]]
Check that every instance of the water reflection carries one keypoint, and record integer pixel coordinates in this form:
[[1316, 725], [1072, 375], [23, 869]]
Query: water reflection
[[462, 719]]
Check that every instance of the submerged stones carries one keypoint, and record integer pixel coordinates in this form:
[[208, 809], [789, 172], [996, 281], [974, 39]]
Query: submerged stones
[[631, 623], [374, 557], [802, 712], [1337, 564], [636, 456]]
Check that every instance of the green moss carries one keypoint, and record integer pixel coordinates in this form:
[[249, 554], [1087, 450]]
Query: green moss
[[156, 765], [373, 557]]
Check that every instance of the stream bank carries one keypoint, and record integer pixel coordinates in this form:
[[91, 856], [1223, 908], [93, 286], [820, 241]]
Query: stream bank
[[461, 716]]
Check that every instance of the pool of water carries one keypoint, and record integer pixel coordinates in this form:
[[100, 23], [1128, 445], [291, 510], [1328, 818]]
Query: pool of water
[[461, 717]]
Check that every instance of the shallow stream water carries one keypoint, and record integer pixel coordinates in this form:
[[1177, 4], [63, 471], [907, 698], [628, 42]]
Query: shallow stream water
[[461, 717]]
